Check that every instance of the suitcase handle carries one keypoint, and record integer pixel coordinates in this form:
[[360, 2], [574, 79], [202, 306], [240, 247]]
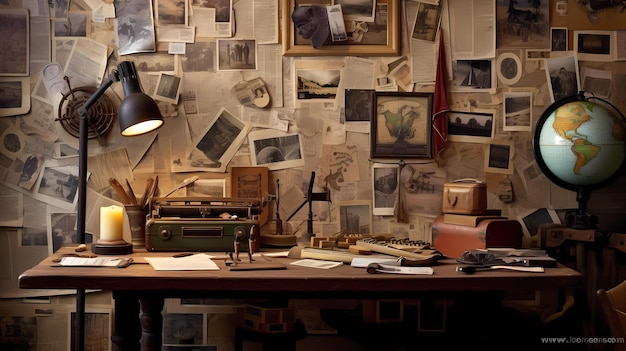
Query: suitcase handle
[[467, 180], [453, 203]]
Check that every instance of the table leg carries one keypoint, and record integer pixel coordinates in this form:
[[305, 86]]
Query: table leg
[[151, 323], [126, 330]]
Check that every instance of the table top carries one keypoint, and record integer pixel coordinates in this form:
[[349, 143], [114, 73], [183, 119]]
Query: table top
[[141, 277]]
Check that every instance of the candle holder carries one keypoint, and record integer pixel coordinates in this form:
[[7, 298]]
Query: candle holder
[[111, 241], [112, 247]]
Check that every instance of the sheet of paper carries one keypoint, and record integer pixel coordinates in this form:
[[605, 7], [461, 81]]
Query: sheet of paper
[[321, 264], [92, 261], [197, 262]]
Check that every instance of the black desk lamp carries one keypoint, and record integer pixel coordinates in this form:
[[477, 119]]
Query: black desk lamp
[[138, 114]]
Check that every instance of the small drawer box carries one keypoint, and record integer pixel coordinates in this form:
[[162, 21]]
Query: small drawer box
[[465, 196]]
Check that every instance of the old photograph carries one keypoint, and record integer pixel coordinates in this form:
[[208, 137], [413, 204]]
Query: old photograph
[[76, 24], [62, 230], [359, 105], [357, 10], [236, 54], [594, 45], [134, 26], [14, 96], [523, 23], [558, 39], [199, 57], [155, 63], [317, 84], [562, 75], [473, 76], [221, 139], [168, 88], [354, 217], [183, 329], [58, 186], [275, 150], [518, 108], [499, 157], [171, 12], [385, 178], [14, 46], [427, 22], [471, 127], [509, 68]]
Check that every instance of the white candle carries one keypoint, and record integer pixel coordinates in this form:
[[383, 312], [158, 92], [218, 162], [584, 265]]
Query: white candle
[[111, 223]]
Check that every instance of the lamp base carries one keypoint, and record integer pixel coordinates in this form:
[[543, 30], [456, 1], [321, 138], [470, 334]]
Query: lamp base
[[117, 247]]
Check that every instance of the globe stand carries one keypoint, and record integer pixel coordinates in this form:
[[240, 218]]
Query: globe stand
[[581, 219]]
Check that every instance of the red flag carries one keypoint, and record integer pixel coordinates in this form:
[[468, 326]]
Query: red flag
[[440, 102]]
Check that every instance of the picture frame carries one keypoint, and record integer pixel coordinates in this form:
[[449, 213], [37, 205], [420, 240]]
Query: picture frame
[[382, 37], [394, 137], [462, 129]]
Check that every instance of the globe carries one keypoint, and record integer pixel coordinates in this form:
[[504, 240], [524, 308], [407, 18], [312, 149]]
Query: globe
[[580, 145]]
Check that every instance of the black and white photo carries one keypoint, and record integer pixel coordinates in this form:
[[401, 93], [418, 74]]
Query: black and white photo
[[221, 139], [523, 23], [76, 24], [59, 186], [385, 179], [562, 75], [236, 54], [357, 10], [168, 88], [135, 28], [427, 22], [354, 217], [558, 39], [473, 76], [183, 329], [594, 45], [316, 81], [275, 150], [14, 96], [499, 157], [14, 46], [471, 127], [509, 68], [518, 108]]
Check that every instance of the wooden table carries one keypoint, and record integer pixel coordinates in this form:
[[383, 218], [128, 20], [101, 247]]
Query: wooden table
[[140, 288]]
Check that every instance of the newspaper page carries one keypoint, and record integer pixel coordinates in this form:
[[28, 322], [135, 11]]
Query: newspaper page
[[479, 15], [86, 63], [39, 33], [212, 21], [357, 73]]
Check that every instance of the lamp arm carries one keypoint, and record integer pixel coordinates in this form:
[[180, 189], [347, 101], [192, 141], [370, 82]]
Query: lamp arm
[[82, 153]]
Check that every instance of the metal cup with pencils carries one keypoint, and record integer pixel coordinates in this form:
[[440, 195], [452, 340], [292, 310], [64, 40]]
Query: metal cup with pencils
[[137, 209]]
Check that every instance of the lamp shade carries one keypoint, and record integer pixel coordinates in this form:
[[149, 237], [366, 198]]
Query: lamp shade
[[138, 113]]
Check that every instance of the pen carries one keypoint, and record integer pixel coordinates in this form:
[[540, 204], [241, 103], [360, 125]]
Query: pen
[[182, 254], [125, 263]]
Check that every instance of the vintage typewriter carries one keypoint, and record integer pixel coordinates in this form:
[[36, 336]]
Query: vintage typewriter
[[203, 224]]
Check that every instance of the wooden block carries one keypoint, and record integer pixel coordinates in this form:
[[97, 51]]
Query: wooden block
[[326, 244], [356, 249]]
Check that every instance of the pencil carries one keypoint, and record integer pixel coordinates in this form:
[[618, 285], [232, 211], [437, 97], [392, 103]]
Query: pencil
[[131, 193], [120, 191], [146, 193]]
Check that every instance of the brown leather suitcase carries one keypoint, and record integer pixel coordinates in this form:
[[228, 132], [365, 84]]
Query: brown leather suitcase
[[453, 239]]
